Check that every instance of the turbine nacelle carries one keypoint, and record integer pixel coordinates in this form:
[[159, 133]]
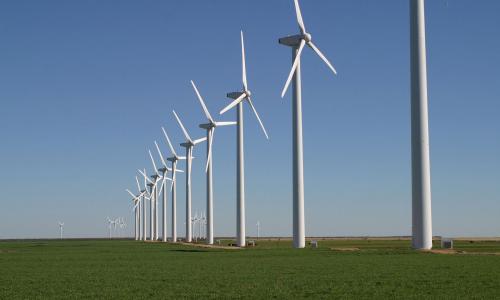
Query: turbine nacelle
[[235, 95], [291, 40], [207, 126], [294, 40], [175, 158]]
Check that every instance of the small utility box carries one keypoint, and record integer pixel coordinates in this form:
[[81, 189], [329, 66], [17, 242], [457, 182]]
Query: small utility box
[[446, 243], [314, 244], [251, 243]]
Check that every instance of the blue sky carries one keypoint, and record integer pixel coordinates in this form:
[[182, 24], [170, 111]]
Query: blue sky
[[86, 85]]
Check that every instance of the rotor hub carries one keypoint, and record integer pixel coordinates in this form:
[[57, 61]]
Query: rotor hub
[[307, 37], [248, 93]]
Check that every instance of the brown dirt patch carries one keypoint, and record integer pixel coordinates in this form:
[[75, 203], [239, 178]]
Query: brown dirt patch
[[7, 251], [210, 246], [442, 251], [345, 249]]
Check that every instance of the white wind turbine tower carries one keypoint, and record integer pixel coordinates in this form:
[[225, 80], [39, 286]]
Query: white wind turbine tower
[[122, 225], [421, 177], [194, 220], [201, 224], [151, 184], [142, 210], [163, 188], [156, 178], [115, 223], [110, 222], [173, 159], [136, 199], [297, 43], [188, 144], [239, 99], [144, 191], [258, 229], [210, 128], [61, 225]]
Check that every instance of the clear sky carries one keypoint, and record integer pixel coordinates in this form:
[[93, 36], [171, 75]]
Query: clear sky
[[86, 85]]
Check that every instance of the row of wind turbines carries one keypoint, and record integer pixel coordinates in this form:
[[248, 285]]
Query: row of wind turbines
[[155, 185]]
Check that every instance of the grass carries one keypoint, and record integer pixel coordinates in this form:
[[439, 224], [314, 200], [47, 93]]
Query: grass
[[101, 269]]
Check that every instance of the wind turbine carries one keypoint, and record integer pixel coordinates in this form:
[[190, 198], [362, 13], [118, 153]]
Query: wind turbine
[[122, 225], [111, 222], [61, 225], [194, 220], [156, 177], [421, 174], [297, 43], [151, 184], [201, 223], [136, 200], [173, 159], [163, 188], [210, 128], [258, 229], [142, 210], [188, 144], [240, 98], [144, 191]]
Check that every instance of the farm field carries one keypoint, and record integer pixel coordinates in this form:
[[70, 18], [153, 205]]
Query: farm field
[[126, 269]]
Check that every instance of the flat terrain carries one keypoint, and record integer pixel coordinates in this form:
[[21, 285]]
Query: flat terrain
[[123, 269]]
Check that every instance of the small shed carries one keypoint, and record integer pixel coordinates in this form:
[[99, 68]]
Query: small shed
[[446, 243]]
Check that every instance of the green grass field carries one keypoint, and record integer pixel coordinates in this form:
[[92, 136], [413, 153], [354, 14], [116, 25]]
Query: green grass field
[[128, 269]]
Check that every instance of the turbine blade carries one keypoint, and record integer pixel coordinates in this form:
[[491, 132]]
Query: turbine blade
[[299, 17], [182, 127], [138, 185], [161, 187], [199, 140], [226, 123], [322, 57], [135, 206], [234, 103], [146, 177], [169, 143], [294, 67], [207, 114], [209, 156], [173, 178], [153, 161], [131, 194], [243, 63], [161, 156], [258, 118]]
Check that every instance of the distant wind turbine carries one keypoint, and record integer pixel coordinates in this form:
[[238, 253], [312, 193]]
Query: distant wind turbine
[[173, 159], [210, 128], [136, 199], [61, 225], [163, 188], [189, 145]]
